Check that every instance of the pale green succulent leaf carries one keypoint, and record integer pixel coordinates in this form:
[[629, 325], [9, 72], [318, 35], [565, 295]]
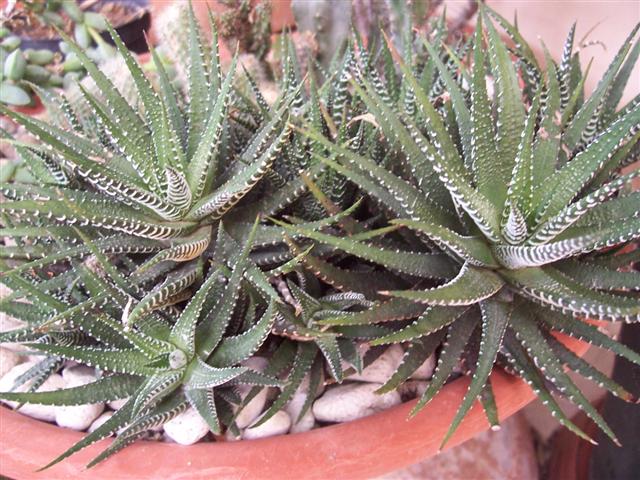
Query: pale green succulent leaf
[[367, 282], [483, 149], [199, 375], [530, 373], [571, 178], [395, 193], [495, 318], [458, 335], [488, 401], [120, 361], [184, 330], [111, 244], [153, 107], [510, 110], [424, 171], [415, 355], [316, 377], [578, 328], [301, 366], [616, 90], [619, 159], [328, 345], [514, 34], [546, 146], [167, 293], [155, 389], [611, 215], [204, 137], [203, 401], [226, 196], [470, 286], [520, 191], [432, 320], [106, 389], [119, 419], [592, 275], [586, 370], [573, 212], [571, 244], [165, 411], [198, 89], [463, 116], [568, 108], [168, 93], [211, 330], [592, 106], [529, 335], [121, 109], [414, 263], [384, 311], [471, 249], [550, 287], [233, 350]]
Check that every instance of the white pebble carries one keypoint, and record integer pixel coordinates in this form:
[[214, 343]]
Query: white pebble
[[78, 375], [277, 425], [425, 371], [381, 369], [8, 360], [98, 422], [46, 413], [306, 423], [254, 408], [186, 428], [294, 406], [350, 402], [78, 417]]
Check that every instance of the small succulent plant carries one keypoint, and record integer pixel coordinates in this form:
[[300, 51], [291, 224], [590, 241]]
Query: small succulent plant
[[521, 191], [19, 68], [45, 68]]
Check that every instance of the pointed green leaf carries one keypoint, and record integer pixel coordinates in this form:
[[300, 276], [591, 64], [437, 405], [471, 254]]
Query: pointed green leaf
[[495, 318]]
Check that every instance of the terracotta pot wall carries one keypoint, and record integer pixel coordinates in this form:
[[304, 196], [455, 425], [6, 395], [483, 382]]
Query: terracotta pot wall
[[363, 448]]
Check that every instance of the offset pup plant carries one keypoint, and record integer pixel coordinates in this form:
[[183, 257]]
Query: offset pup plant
[[172, 235]]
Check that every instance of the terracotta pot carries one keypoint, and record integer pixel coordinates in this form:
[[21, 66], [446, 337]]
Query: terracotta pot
[[363, 448]]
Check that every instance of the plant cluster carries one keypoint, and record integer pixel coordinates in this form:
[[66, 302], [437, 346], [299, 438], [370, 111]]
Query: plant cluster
[[461, 198], [21, 67], [42, 67]]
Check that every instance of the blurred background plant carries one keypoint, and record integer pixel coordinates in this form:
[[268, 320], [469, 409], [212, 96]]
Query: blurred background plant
[[32, 52]]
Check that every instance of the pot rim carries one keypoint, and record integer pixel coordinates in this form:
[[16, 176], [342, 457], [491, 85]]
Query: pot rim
[[363, 448]]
